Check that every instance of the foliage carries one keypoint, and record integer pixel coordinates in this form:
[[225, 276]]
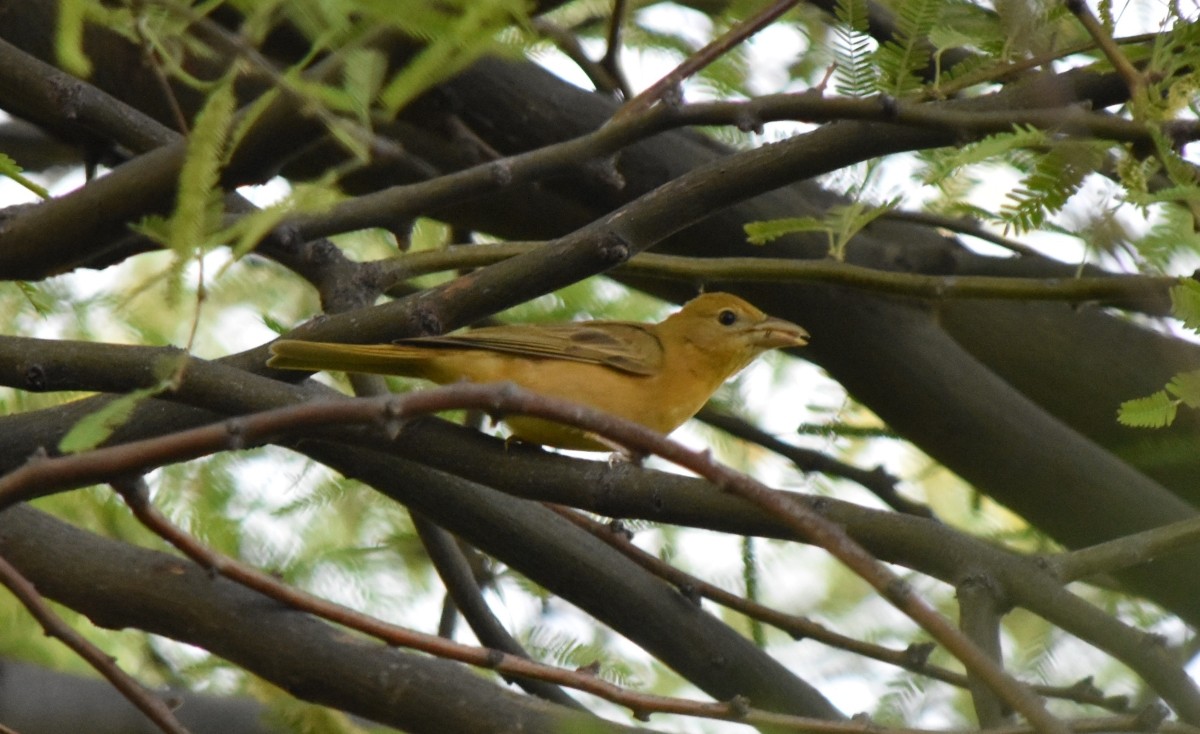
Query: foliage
[[841, 224], [852, 50], [1159, 409], [10, 169]]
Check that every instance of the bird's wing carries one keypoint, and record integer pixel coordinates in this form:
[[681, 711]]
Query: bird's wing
[[626, 346]]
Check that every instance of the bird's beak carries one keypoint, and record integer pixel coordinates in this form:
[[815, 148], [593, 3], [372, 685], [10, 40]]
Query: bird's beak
[[776, 333]]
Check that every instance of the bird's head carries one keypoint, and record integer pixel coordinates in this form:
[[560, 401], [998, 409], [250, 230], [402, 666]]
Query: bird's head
[[721, 325]]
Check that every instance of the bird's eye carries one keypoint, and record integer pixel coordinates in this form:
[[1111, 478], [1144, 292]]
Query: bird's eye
[[727, 317]]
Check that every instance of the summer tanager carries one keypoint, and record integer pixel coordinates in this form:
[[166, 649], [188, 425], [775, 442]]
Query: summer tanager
[[658, 375]]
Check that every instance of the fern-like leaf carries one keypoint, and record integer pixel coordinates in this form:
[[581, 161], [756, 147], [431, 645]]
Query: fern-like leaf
[[903, 59], [1185, 303], [852, 48], [1174, 232], [942, 164], [760, 233], [1186, 387], [469, 34], [1153, 411], [840, 224], [1158, 410], [10, 169], [1055, 178]]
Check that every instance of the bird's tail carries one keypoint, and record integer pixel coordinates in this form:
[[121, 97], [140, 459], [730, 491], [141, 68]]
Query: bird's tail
[[380, 359]]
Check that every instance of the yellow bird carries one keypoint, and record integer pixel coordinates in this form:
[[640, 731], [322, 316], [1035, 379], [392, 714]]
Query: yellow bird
[[658, 375]]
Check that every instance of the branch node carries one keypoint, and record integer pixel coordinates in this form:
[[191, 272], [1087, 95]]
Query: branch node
[[401, 229], [35, 378], [591, 669], [616, 527], [236, 429], [917, 654], [393, 417], [690, 592], [898, 589], [428, 321], [613, 248], [889, 106], [287, 236], [739, 706], [748, 121], [501, 172], [606, 170]]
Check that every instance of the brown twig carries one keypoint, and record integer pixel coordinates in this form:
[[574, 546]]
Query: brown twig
[[705, 56], [452, 567], [154, 709], [611, 60], [914, 658], [961, 225], [602, 77], [43, 477], [1134, 80], [876, 481], [1150, 292], [1130, 550], [642, 705], [1009, 69], [388, 207]]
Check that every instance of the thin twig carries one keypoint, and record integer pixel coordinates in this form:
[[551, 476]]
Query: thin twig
[[1149, 292], [146, 702], [45, 476], [877, 481], [915, 658], [612, 49], [705, 56], [602, 77], [961, 225], [1134, 81], [452, 567], [1006, 70], [1131, 550], [506, 664], [387, 207]]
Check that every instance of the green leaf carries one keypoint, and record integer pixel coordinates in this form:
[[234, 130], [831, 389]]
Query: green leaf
[[468, 34], [841, 224], [902, 60], [945, 37], [852, 48], [1186, 387], [1152, 411], [198, 201], [275, 324], [364, 73], [941, 164], [1174, 232], [760, 233], [1185, 303], [851, 219], [10, 169], [95, 428], [72, 19], [1055, 178], [39, 297]]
